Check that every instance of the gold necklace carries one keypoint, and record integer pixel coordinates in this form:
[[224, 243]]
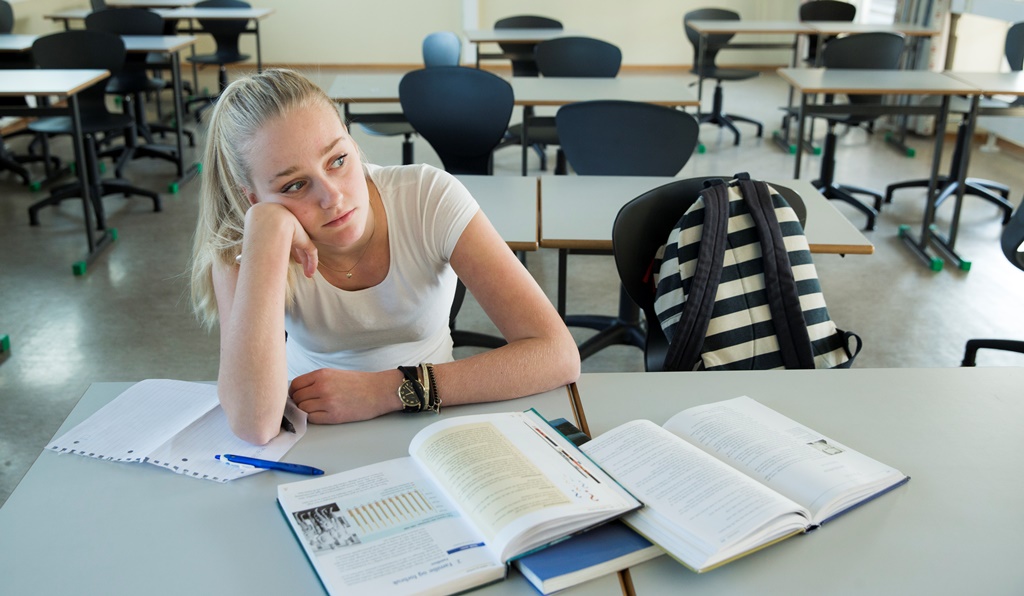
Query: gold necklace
[[348, 272]]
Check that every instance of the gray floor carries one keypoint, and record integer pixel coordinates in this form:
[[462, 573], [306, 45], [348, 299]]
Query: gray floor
[[128, 318]]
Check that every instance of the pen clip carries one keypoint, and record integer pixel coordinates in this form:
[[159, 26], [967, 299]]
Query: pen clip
[[226, 461]]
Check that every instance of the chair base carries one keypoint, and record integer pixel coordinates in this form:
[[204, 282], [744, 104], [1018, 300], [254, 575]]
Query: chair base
[[844, 193], [973, 345], [993, 192], [718, 117]]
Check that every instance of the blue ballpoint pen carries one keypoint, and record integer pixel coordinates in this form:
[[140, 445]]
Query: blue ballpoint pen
[[271, 465]]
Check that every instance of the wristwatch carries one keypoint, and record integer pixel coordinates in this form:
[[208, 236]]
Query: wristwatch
[[410, 392]]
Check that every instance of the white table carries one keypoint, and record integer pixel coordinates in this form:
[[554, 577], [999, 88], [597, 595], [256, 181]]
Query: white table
[[514, 35], [64, 84], [511, 204], [76, 525], [954, 529]]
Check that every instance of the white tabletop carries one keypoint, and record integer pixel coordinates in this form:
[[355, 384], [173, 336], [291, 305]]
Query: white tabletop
[[954, 529], [365, 88], [662, 89], [256, 14], [577, 212], [16, 42], [132, 43], [510, 203], [748, 26], [873, 82], [992, 83], [515, 35], [150, 3], [839, 27], [61, 82], [76, 525]]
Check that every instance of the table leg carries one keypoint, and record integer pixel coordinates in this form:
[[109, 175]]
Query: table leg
[[523, 136], [944, 244], [179, 119], [563, 255], [919, 246], [89, 198], [800, 135], [259, 53], [781, 138], [702, 40]]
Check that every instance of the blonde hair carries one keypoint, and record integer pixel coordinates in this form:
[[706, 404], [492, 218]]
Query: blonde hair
[[240, 112]]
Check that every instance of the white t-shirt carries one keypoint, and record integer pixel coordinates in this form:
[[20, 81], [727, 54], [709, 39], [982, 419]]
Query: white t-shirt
[[404, 319]]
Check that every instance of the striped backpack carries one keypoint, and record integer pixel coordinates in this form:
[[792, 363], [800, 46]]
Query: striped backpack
[[736, 288]]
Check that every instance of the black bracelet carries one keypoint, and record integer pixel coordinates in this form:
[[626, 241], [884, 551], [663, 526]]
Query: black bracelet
[[435, 396]]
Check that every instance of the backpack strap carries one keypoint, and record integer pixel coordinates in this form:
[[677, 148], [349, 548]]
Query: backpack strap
[[780, 285], [684, 348]]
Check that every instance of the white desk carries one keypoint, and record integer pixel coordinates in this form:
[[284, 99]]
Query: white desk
[[514, 35], [954, 529], [76, 525], [511, 205], [64, 84]]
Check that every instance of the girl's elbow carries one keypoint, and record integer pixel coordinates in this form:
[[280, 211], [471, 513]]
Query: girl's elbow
[[256, 434]]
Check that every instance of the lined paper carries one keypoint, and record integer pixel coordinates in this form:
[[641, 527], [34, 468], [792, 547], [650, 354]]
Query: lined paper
[[176, 425]]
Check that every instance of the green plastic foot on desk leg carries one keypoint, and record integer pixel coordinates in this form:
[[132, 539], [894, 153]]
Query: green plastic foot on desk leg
[[936, 264], [103, 168], [700, 149], [35, 186], [79, 268], [965, 265], [888, 137], [172, 188], [73, 167], [5, 343], [199, 165], [816, 150], [911, 152], [792, 148], [904, 228], [113, 234]]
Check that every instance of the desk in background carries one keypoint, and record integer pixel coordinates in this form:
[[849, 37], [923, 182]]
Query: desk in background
[[514, 35], [84, 526], [63, 84], [954, 529], [511, 205]]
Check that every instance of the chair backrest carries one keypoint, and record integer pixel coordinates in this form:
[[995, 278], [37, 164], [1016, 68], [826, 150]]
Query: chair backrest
[[1012, 239], [441, 48], [98, 4], [225, 32], [578, 57], [641, 228], [824, 10], [82, 49], [521, 54], [715, 41], [6, 17], [1015, 46], [877, 50], [625, 138], [462, 112], [827, 10]]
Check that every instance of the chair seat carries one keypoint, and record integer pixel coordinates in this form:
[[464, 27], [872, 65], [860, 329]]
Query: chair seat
[[728, 74], [219, 58], [91, 123], [387, 129], [542, 130]]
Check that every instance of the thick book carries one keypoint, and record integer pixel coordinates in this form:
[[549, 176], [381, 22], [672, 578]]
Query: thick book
[[722, 480], [605, 549], [474, 493]]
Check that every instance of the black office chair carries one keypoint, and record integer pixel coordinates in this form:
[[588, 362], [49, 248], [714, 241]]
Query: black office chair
[[524, 64], [463, 113], [87, 49], [568, 57], [640, 229], [8, 159], [650, 140], [824, 10], [1012, 242], [994, 192], [226, 34], [876, 50], [133, 83], [708, 70], [441, 48]]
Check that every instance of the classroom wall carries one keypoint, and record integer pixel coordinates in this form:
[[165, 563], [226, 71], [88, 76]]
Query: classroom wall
[[390, 32]]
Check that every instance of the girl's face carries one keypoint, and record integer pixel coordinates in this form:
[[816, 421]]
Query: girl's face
[[306, 161]]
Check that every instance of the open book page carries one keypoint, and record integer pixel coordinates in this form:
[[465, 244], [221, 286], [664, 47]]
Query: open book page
[[385, 529], [520, 482], [823, 475], [697, 508]]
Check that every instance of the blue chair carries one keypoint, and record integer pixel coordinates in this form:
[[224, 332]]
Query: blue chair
[[441, 48]]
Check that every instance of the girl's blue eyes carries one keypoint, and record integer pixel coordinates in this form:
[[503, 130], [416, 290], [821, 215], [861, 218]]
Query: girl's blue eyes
[[298, 184]]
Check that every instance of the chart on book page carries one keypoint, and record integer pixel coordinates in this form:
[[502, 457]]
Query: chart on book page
[[349, 522]]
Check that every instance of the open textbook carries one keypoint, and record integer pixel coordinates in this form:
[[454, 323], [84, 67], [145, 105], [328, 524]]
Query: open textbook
[[722, 480], [476, 492]]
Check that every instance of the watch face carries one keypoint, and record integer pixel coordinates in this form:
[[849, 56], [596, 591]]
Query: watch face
[[407, 393]]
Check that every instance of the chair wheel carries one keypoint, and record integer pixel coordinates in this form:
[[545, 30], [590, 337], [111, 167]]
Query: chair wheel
[[911, 152], [35, 186], [903, 229], [172, 188]]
